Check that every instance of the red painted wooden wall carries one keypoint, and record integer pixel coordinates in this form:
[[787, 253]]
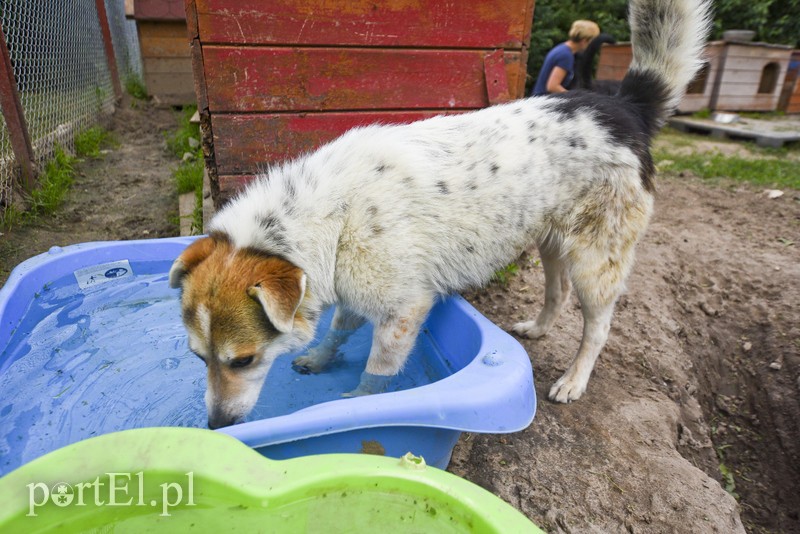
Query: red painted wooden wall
[[275, 78]]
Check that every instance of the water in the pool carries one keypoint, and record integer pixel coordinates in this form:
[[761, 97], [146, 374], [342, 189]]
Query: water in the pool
[[115, 356]]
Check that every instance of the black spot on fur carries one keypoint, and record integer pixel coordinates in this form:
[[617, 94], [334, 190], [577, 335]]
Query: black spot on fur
[[408, 180], [577, 142], [372, 211], [517, 111], [380, 168], [471, 166], [470, 249], [532, 139], [376, 229], [494, 167], [270, 224], [443, 189], [472, 185]]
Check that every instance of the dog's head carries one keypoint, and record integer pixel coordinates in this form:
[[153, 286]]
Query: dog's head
[[240, 308]]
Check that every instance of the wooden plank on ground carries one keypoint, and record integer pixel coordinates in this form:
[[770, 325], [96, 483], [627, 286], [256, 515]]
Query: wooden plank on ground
[[243, 79], [433, 23]]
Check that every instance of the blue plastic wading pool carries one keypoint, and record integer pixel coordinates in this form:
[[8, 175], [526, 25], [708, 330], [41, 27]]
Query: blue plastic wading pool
[[93, 343]]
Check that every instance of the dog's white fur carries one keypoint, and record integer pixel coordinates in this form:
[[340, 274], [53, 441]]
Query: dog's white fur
[[388, 217]]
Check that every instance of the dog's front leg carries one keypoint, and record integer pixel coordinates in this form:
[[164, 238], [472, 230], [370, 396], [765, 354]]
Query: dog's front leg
[[319, 357], [392, 341]]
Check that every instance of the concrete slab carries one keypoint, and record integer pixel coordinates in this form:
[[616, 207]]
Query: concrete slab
[[765, 132]]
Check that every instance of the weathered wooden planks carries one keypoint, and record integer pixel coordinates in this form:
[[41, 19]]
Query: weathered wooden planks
[[166, 51], [275, 79], [391, 23], [246, 143], [285, 79], [741, 76]]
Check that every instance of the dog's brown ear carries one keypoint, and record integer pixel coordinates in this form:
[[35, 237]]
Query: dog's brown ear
[[189, 259], [280, 293]]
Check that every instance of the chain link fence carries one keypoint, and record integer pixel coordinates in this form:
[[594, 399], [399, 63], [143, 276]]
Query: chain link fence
[[62, 75], [126, 42]]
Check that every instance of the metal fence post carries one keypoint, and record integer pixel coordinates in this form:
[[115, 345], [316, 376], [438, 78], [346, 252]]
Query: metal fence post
[[15, 118], [109, 48]]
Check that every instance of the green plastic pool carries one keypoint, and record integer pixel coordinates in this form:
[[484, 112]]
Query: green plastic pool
[[187, 479]]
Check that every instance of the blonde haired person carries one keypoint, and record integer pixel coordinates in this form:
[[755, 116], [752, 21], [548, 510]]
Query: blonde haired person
[[559, 64]]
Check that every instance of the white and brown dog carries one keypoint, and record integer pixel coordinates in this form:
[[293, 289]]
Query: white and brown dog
[[387, 218]]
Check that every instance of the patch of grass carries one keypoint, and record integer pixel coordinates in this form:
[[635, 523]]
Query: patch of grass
[[189, 175], [704, 113], [89, 142], [762, 115], [10, 216], [773, 172], [54, 182], [503, 276], [178, 141], [675, 138], [134, 86]]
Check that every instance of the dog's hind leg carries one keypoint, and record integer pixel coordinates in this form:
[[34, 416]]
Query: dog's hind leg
[[556, 293], [596, 324], [317, 358], [600, 255], [393, 339]]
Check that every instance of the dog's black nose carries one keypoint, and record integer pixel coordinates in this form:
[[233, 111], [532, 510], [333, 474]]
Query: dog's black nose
[[214, 424]]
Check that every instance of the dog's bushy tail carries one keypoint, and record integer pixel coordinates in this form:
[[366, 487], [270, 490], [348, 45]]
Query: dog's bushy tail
[[668, 37]]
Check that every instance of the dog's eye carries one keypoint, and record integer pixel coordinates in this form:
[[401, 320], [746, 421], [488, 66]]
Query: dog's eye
[[241, 362]]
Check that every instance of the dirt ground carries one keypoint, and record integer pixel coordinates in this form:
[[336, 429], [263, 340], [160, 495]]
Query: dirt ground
[[697, 390]]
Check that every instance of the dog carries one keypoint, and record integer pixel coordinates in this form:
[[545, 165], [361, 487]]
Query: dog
[[385, 219]]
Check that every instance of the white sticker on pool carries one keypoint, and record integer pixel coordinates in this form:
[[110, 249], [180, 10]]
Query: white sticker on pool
[[100, 274]]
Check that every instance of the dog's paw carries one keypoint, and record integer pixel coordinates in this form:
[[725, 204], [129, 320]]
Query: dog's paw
[[370, 384], [529, 329], [567, 390], [312, 362]]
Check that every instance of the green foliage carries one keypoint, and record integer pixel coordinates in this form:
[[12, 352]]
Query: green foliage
[[728, 481], [770, 171], [89, 142], [178, 141], [774, 21], [134, 86], [189, 175], [10, 216], [503, 276], [54, 183]]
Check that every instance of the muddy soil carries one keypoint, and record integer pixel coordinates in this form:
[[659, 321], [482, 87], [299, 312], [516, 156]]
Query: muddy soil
[[691, 422]]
